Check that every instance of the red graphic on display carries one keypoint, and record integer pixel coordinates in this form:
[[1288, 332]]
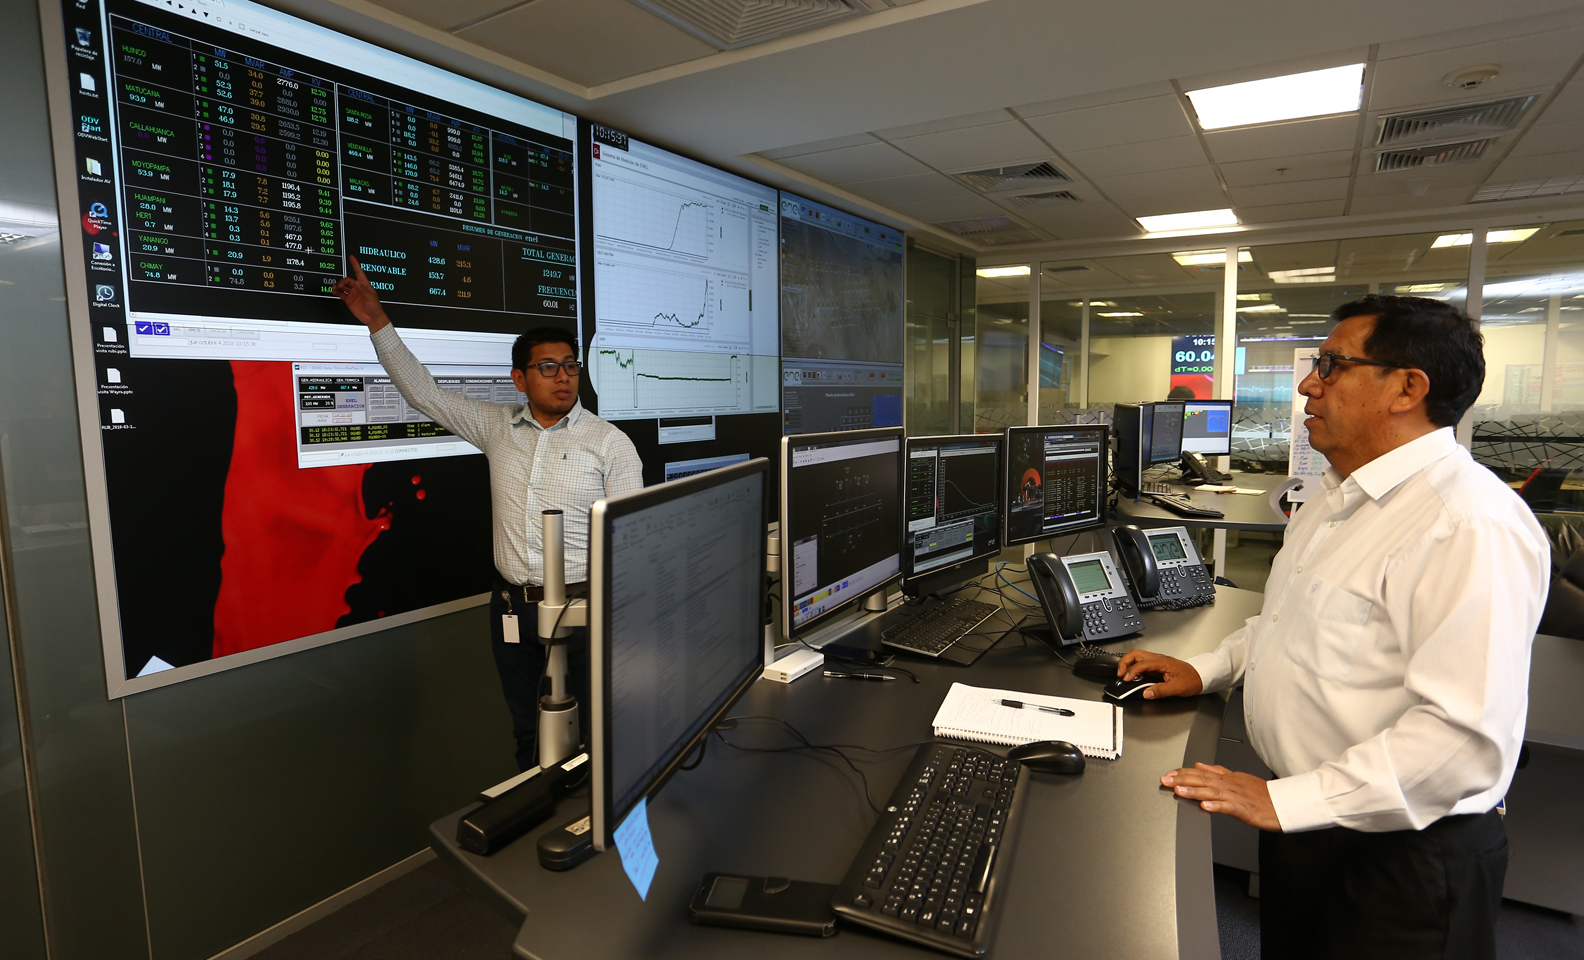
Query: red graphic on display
[[293, 537], [1202, 385]]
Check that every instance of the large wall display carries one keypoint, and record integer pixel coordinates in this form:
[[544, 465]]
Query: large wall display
[[256, 484]]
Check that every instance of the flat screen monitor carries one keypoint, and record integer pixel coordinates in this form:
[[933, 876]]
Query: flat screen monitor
[[953, 501], [843, 302], [841, 521], [1207, 427], [1055, 481], [676, 601], [1166, 433]]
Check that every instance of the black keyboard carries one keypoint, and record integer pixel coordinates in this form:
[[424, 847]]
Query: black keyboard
[[1153, 486], [1182, 506], [929, 634], [935, 865]]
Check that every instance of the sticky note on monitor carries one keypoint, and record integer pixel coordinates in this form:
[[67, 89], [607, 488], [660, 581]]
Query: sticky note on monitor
[[637, 850]]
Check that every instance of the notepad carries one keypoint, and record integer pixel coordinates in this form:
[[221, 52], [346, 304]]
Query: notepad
[[975, 713]]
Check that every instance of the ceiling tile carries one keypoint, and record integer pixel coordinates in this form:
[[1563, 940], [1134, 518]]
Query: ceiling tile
[[1121, 95], [1568, 105], [1550, 138], [1158, 183], [1534, 168], [1329, 135], [587, 41], [1156, 118], [445, 15], [1398, 182], [1110, 223], [818, 146], [1302, 191], [986, 146], [872, 161], [1526, 63], [1290, 211], [950, 208], [941, 126], [1138, 157], [1484, 33], [1407, 202], [919, 186], [1312, 166], [1174, 203]]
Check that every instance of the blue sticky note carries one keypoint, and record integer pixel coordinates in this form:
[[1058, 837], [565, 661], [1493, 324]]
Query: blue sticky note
[[637, 850]]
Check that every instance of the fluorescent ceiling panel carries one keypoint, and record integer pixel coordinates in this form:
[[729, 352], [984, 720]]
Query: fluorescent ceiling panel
[[1123, 313], [1305, 275], [991, 273], [1193, 220], [1317, 93], [1202, 258], [1491, 236]]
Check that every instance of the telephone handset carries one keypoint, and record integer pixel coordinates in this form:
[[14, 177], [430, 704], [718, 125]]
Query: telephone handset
[[1084, 598], [1196, 466], [1164, 567]]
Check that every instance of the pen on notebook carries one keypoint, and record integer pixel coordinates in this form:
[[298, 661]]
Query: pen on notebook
[[1020, 705], [857, 676]]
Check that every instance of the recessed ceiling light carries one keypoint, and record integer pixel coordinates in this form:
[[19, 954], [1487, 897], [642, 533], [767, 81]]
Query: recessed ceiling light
[[1021, 270], [1421, 287], [1316, 93], [1123, 313], [1216, 258], [1253, 296], [1491, 236], [1305, 275], [1324, 315], [1193, 220], [1263, 308], [11, 237], [1092, 303]]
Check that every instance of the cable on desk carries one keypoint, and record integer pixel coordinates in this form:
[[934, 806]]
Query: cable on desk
[[833, 749]]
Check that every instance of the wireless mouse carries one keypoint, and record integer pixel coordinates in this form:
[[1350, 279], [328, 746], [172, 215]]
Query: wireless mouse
[[1049, 756], [1101, 667]]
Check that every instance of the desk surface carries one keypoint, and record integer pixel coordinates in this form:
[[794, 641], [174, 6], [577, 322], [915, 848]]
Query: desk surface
[[1106, 865], [1243, 511]]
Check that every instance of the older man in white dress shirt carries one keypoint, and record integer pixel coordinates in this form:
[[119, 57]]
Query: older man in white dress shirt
[[1386, 677]]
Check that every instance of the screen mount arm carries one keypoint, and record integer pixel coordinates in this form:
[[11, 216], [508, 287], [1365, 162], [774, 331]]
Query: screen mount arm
[[559, 737]]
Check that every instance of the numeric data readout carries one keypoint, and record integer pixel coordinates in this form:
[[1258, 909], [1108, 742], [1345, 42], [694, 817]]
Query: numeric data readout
[[250, 171]]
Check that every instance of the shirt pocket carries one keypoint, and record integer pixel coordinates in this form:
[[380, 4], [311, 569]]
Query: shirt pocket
[[1332, 627]]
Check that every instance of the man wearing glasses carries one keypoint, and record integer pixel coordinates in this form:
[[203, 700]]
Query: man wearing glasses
[[547, 454], [1386, 677]]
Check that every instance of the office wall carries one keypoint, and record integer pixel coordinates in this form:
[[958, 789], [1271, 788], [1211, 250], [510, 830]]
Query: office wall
[[1129, 369], [176, 823]]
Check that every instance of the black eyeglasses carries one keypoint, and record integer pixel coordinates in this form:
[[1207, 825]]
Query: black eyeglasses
[[1325, 364], [548, 368]]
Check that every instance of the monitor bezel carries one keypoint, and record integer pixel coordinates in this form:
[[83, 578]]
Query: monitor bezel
[[1000, 440], [1229, 404], [604, 817], [841, 436], [1102, 489]]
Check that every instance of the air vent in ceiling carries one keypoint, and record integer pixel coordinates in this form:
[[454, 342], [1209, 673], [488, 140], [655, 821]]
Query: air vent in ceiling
[[1065, 268], [1463, 152], [730, 24], [1570, 233], [1045, 199], [1022, 174], [991, 231], [1518, 189], [1459, 122]]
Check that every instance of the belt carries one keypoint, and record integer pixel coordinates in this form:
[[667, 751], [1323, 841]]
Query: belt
[[533, 593]]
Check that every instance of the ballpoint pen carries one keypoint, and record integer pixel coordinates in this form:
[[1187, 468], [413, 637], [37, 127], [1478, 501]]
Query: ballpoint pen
[[857, 676], [1020, 705]]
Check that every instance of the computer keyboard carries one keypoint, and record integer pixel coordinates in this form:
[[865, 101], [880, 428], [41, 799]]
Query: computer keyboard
[[934, 867], [1154, 486], [930, 634], [1182, 506]]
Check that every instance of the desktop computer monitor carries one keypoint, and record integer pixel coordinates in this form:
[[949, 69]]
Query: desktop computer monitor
[[1166, 432], [841, 521], [1207, 427], [676, 625], [1055, 481], [953, 502]]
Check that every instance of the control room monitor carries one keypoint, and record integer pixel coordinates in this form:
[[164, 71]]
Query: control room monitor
[[1055, 481], [953, 501], [1166, 433], [841, 521], [677, 588], [1207, 427]]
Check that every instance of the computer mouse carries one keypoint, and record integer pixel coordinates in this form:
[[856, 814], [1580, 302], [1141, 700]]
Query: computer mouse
[[1120, 690], [1049, 756], [1101, 667]]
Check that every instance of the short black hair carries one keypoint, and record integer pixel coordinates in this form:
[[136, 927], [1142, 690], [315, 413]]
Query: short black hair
[[1428, 335], [523, 348]]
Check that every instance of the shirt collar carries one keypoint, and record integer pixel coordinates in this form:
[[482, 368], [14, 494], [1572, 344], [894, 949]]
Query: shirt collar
[[525, 415], [1382, 475]]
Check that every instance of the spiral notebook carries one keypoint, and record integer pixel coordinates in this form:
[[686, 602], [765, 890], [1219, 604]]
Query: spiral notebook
[[976, 713]]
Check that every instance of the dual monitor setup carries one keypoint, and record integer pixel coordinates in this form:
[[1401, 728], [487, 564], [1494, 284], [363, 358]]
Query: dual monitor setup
[[1170, 431]]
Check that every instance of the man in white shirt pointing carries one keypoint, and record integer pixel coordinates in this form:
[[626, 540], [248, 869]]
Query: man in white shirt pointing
[[1386, 677]]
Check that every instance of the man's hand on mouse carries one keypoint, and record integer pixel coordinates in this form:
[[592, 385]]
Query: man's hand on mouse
[[1178, 677], [1219, 790]]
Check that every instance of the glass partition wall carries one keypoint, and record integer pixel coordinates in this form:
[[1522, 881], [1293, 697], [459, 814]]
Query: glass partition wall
[[997, 353]]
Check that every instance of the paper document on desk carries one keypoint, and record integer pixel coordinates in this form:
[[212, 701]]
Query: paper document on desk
[[976, 713]]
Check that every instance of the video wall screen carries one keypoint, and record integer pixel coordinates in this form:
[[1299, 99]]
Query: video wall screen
[[843, 306], [228, 160]]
